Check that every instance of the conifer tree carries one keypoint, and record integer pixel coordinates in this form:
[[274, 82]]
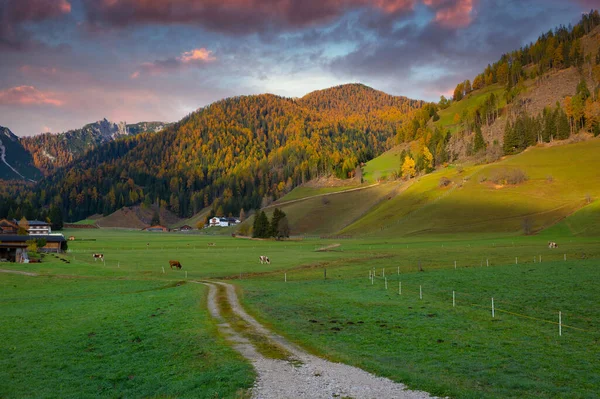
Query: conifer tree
[[261, 226], [478, 141]]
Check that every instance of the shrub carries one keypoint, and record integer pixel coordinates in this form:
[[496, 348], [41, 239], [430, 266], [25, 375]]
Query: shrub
[[445, 182], [508, 176]]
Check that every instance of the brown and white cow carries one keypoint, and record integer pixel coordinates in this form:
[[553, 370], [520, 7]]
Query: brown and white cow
[[552, 244], [264, 259], [175, 264], [98, 256]]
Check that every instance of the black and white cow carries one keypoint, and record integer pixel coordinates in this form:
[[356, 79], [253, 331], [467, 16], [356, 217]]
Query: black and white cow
[[98, 256], [264, 259]]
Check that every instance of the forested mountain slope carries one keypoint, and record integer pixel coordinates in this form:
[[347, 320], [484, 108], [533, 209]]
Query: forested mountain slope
[[15, 162], [236, 153], [52, 151]]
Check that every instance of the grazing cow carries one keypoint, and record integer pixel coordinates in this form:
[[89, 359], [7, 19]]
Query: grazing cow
[[552, 244], [98, 256], [264, 259], [175, 264]]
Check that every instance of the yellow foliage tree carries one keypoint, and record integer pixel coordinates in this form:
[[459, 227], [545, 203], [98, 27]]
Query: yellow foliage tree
[[408, 168], [428, 158]]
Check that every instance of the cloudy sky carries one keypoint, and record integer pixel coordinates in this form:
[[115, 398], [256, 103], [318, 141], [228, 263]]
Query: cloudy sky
[[65, 63]]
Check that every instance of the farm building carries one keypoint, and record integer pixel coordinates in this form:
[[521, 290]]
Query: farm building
[[223, 222], [157, 228], [13, 252], [12, 242], [8, 227], [37, 228]]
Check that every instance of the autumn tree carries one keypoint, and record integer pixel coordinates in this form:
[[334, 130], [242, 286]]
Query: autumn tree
[[408, 168]]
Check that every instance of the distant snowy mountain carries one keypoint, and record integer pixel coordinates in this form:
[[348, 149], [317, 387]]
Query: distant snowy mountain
[[15, 162], [51, 151]]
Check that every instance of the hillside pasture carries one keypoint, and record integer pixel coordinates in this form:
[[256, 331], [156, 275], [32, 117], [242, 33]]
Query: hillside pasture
[[558, 182], [474, 99], [383, 166], [326, 215]]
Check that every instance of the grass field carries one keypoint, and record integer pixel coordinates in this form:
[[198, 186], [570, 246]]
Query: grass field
[[86, 222], [103, 337], [125, 328]]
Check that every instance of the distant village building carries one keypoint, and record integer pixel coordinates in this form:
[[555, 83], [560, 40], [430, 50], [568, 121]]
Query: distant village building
[[38, 228], [186, 228], [223, 222]]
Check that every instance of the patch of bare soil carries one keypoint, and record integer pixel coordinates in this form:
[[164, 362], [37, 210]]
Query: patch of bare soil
[[330, 181], [549, 89]]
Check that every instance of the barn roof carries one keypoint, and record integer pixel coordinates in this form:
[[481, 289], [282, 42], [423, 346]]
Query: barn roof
[[38, 223]]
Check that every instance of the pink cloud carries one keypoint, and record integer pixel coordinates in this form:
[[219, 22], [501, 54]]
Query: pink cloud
[[200, 54], [28, 95], [452, 13], [195, 57]]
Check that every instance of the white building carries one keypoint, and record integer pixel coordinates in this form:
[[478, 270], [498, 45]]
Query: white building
[[37, 228]]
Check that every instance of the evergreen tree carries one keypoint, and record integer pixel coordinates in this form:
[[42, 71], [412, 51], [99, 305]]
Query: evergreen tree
[[563, 130], [261, 228], [155, 219], [549, 130], [56, 218], [274, 228], [283, 228], [478, 141]]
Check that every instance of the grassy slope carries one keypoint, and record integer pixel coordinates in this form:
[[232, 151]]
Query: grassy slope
[[472, 100], [383, 166], [481, 207], [304, 192], [584, 222], [330, 214]]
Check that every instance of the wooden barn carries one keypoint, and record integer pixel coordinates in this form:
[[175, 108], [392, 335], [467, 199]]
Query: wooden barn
[[11, 243]]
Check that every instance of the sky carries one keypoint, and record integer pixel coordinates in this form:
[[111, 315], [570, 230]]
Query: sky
[[65, 63]]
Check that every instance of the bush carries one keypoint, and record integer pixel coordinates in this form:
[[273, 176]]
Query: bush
[[508, 176], [445, 182]]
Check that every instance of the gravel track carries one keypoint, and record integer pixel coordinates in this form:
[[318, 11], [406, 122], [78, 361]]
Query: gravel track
[[303, 375]]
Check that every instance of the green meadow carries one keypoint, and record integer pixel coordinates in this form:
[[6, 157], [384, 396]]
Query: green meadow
[[122, 327]]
